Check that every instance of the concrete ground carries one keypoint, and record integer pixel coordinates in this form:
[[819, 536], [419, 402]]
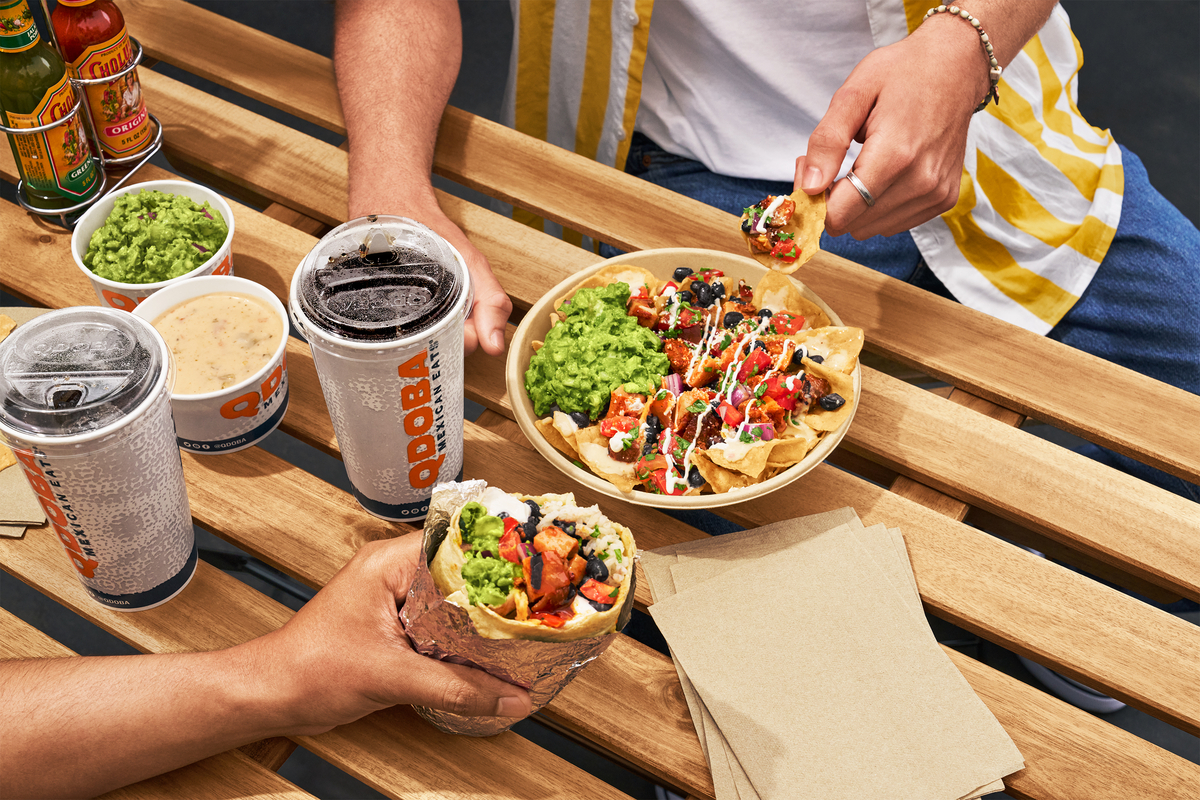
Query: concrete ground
[[1141, 79]]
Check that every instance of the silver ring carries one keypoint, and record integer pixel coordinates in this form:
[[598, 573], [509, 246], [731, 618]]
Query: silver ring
[[867, 197]]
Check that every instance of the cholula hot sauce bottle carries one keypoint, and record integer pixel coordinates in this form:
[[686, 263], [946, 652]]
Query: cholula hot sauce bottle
[[56, 164], [95, 44]]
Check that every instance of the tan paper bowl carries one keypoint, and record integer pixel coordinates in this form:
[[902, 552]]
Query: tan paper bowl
[[662, 263]]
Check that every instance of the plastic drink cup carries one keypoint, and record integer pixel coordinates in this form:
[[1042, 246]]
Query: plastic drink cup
[[85, 404], [127, 296], [238, 416], [382, 301]]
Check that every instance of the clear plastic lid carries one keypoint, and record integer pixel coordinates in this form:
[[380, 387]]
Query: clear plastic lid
[[380, 278], [76, 370]]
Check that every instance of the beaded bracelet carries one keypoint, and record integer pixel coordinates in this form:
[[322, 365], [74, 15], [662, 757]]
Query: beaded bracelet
[[994, 69]]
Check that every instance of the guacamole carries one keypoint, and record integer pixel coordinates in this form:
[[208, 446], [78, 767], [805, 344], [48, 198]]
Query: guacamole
[[154, 236], [597, 348], [489, 577]]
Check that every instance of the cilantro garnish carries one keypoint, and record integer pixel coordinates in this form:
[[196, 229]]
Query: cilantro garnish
[[697, 406]]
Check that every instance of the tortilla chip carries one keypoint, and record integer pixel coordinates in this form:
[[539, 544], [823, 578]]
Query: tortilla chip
[[839, 383], [781, 293], [593, 451], [751, 461], [546, 427], [721, 479], [840, 347], [807, 223], [633, 277], [792, 446], [7, 459], [7, 326]]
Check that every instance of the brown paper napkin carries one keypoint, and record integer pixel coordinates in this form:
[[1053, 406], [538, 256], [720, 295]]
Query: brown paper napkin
[[860, 699], [19, 506]]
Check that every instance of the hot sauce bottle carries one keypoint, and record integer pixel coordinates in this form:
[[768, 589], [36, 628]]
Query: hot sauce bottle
[[56, 164], [95, 44]]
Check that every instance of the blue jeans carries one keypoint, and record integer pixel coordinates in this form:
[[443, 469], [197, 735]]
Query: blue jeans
[[1142, 309]]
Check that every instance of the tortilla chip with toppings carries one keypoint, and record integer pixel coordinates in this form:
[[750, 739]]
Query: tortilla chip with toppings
[[784, 231]]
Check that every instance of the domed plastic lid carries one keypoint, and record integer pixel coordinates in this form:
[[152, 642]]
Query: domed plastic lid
[[380, 278], [76, 370]]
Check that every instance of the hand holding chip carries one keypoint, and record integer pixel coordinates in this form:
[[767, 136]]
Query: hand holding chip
[[913, 125]]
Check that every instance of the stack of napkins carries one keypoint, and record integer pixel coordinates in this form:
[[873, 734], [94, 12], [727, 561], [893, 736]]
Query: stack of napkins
[[811, 672], [19, 506]]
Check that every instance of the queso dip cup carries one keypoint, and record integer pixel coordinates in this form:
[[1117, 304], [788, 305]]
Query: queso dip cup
[[230, 419], [127, 296]]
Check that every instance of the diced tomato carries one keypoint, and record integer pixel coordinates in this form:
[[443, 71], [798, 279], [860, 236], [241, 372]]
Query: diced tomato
[[642, 291], [659, 478], [786, 323], [600, 592], [777, 389], [729, 414], [668, 444], [745, 291], [553, 619], [756, 363], [553, 539], [707, 275], [508, 545], [785, 251], [611, 426], [669, 289], [510, 523]]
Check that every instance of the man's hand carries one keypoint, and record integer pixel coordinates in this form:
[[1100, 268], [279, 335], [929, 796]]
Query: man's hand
[[345, 654], [910, 105]]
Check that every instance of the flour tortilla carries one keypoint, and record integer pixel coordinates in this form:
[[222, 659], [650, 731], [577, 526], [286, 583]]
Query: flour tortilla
[[446, 569]]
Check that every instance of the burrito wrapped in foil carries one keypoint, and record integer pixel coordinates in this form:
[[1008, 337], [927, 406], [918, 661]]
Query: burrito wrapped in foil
[[513, 651]]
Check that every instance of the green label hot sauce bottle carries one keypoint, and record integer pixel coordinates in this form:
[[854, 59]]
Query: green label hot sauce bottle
[[56, 164]]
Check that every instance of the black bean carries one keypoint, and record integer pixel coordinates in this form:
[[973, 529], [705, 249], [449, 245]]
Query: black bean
[[685, 296], [759, 344], [648, 447], [817, 359], [580, 419], [832, 402], [798, 358], [718, 288], [681, 273], [747, 224], [529, 529], [598, 606], [567, 527], [732, 319], [502, 515], [653, 424], [535, 511], [694, 478], [535, 572], [596, 569], [763, 313], [704, 293]]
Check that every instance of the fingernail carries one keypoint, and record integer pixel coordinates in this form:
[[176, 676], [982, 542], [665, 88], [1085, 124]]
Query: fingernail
[[510, 707], [812, 179], [497, 340]]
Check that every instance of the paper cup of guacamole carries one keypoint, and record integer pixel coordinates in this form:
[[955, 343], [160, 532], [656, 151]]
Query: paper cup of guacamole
[[228, 339], [143, 237]]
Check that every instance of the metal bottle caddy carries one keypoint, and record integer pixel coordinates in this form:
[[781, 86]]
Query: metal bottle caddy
[[102, 161]]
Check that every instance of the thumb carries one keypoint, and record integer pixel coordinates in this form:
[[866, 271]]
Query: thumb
[[464, 690], [830, 140]]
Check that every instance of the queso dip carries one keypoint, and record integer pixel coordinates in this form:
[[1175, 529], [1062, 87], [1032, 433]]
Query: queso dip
[[219, 340]]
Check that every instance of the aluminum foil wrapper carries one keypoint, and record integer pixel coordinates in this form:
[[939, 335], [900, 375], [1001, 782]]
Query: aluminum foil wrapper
[[444, 631]]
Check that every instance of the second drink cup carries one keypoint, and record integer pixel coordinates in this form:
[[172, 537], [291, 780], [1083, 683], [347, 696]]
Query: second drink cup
[[382, 301]]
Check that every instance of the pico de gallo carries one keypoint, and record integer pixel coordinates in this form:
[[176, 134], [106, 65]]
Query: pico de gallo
[[545, 560], [736, 378]]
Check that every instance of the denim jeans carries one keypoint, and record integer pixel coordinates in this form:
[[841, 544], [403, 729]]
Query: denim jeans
[[1141, 310]]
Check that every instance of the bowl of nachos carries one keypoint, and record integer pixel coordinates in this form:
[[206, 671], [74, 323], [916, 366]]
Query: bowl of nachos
[[683, 378]]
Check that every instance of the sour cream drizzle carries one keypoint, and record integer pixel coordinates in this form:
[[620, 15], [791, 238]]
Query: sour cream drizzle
[[761, 227]]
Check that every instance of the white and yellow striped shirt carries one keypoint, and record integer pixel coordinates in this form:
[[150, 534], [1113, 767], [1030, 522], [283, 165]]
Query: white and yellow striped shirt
[[1041, 189]]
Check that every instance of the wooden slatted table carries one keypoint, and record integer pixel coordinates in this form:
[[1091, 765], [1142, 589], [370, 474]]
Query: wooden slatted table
[[932, 462]]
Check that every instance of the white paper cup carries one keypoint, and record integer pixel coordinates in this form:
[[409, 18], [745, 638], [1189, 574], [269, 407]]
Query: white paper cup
[[236, 417], [127, 296]]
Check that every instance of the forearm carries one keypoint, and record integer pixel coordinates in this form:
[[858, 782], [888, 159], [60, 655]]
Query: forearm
[[1009, 24], [76, 727], [396, 64]]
